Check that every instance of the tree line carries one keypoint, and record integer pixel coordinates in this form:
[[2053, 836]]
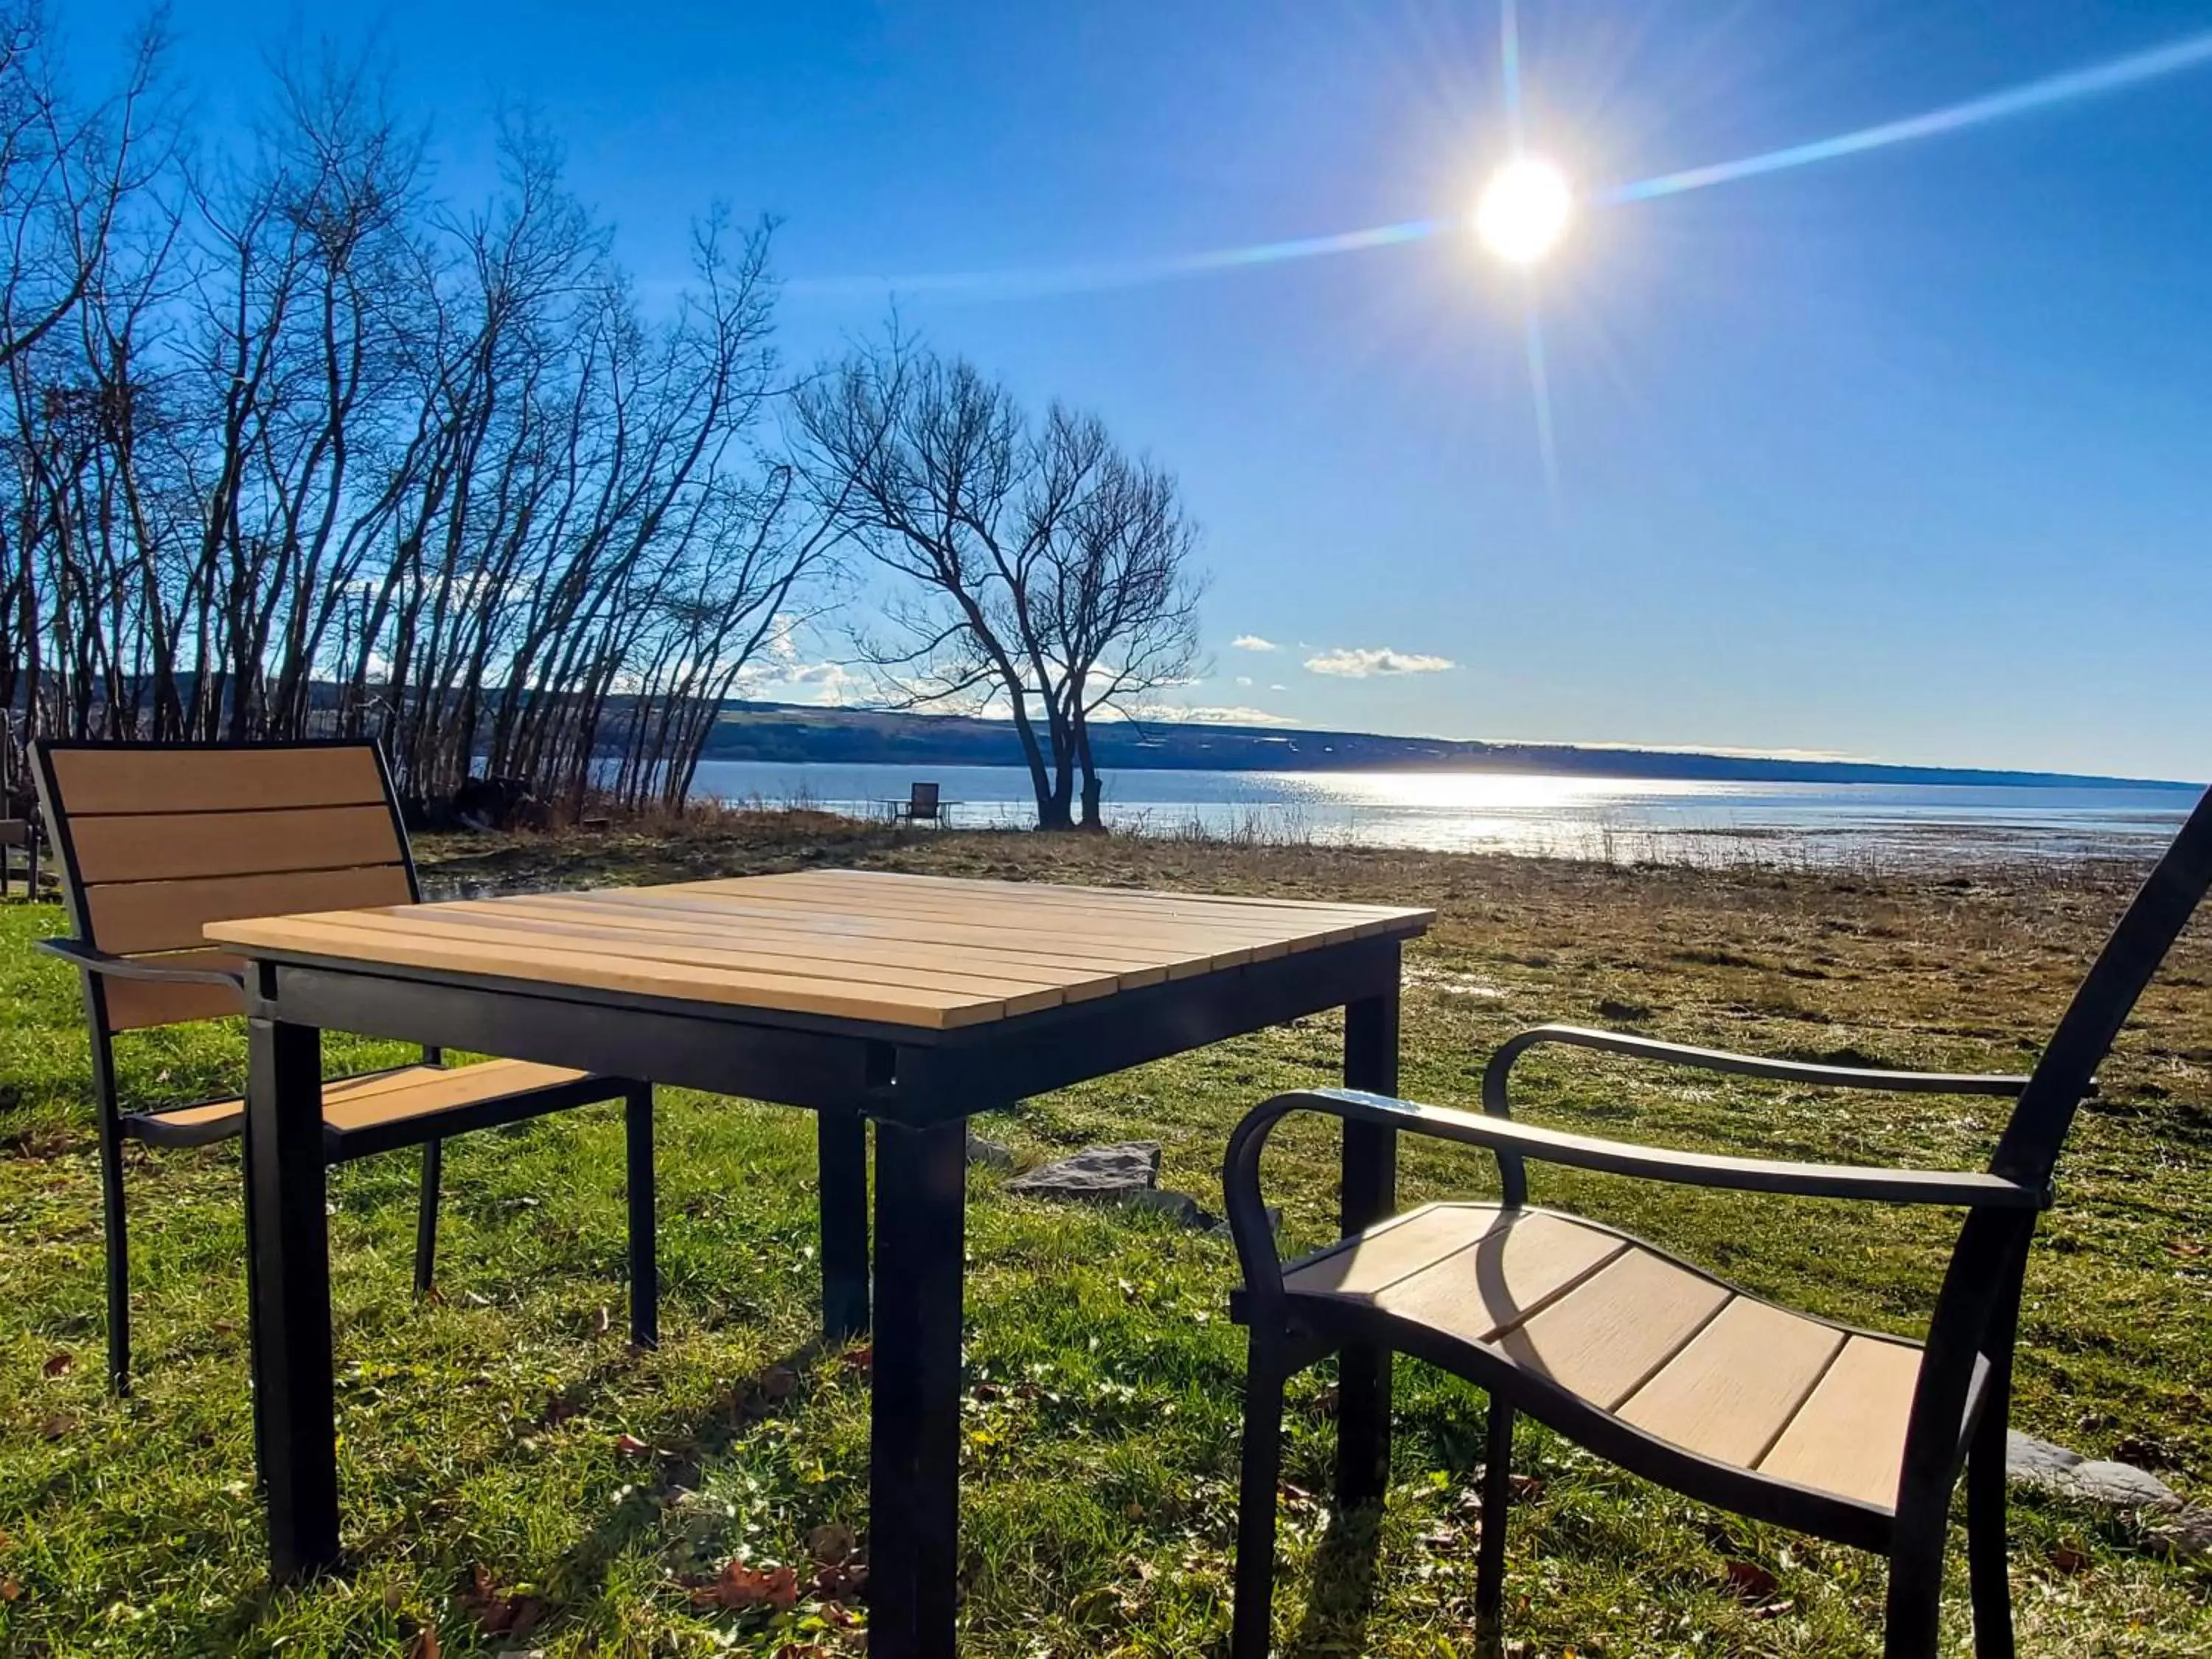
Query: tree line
[[291, 446]]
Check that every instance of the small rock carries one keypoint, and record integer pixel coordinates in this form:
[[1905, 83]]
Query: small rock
[[1099, 1175], [991, 1153], [2053, 1469], [1275, 1221], [1180, 1206], [2187, 1532]]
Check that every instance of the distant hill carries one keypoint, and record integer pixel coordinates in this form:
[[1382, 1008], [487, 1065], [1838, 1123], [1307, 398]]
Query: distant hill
[[790, 732]]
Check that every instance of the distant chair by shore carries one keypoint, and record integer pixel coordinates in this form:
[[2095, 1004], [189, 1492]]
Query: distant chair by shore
[[925, 804]]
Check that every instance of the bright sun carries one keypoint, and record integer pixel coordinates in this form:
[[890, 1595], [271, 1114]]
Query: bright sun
[[1524, 211]]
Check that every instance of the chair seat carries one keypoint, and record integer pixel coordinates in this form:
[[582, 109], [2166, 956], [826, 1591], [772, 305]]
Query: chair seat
[[375, 1099], [1661, 1348]]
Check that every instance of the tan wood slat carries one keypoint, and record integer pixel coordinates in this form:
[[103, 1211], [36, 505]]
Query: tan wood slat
[[1849, 1436], [1139, 964], [1502, 1279], [1385, 1253], [355, 1103], [1213, 951], [1384, 913], [213, 1111], [1301, 914], [215, 780], [1299, 929], [1616, 1328], [171, 916], [326, 937], [134, 1005], [349, 1105], [1263, 944], [171, 847], [519, 936], [1131, 971], [1729, 1395], [871, 960]]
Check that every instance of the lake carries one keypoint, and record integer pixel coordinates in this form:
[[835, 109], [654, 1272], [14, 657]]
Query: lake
[[1571, 815]]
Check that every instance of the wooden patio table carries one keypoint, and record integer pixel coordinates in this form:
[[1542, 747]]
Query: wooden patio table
[[911, 1001]]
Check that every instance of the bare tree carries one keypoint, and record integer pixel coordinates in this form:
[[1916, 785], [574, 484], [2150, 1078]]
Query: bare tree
[[1032, 567], [302, 449]]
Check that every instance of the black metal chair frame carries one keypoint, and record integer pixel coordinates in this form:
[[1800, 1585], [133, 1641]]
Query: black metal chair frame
[[915, 810], [23, 833], [1960, 1403], [429, 1130]]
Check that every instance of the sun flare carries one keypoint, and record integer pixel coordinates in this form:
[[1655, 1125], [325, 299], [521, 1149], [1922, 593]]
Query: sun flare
[[1524, 211]]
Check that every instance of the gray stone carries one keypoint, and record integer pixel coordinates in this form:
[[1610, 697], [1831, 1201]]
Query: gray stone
[[2052, 1469], [1180, 1206], [989, 1152], [1099, 1175], [1275, 1222], [2187, 1532]]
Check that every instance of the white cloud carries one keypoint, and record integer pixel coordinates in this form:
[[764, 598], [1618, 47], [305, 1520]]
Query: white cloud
[[1359, 662], [1244, 679], [1204, 715], [1254, 642], [788, 680]]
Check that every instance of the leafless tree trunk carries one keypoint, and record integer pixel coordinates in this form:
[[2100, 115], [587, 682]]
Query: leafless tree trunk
[[1031, 566]]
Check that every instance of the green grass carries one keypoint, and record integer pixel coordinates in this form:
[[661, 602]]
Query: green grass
[[485, 1471]]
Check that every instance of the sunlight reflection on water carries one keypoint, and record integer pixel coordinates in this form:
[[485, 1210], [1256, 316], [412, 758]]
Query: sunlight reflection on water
[[1615, 819]]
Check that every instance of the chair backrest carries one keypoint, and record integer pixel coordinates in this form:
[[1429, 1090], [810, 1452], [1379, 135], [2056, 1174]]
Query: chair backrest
[[157, 841], [922, 803], [2030, 1145]]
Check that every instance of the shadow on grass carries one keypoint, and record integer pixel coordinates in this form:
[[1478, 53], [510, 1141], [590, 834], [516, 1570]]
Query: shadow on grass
[[1342, 1596], [683, 1454]]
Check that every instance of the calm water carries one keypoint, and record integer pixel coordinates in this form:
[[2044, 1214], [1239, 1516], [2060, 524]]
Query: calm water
[[1560, 815]]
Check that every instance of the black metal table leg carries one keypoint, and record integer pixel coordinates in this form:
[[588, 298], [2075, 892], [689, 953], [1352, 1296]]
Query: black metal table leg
[[296, 1423], [841, 1140], [1370, 1193], [914, 1475]]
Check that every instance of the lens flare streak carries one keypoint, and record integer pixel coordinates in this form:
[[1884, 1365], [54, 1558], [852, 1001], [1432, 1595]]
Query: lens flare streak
[[1135, 273], [1996, 106], [2172, 58]]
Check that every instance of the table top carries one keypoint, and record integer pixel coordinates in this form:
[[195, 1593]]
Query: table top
[[929, 951]]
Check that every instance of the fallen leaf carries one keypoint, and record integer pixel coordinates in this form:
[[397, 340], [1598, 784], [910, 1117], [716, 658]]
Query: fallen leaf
[[628, 1445], [830, 1544], [59, 1364], [862, 1359], [2184, 1247], [498, 1611], [602, 1321], [424, 1644], [1748, 1581], [2068, 1558], [740, 1587], [9, 1590], [802, 1650]]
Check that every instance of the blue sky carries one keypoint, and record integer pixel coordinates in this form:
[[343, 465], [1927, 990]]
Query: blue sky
[[1906, 454]]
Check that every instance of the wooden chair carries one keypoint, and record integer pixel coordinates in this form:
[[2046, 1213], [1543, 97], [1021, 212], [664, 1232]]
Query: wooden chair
[[23, 833], [1731, 1400], [154, 842], [925, 804]]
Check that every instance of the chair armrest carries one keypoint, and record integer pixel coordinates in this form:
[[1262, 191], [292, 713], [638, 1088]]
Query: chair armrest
[[1255, 1249], [1495, 1074], [99, 962]]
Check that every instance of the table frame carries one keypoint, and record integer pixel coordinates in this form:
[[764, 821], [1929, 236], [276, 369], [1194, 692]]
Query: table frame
[[918, 1086]]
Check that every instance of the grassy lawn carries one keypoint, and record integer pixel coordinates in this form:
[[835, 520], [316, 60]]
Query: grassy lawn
[[516, 1479]]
